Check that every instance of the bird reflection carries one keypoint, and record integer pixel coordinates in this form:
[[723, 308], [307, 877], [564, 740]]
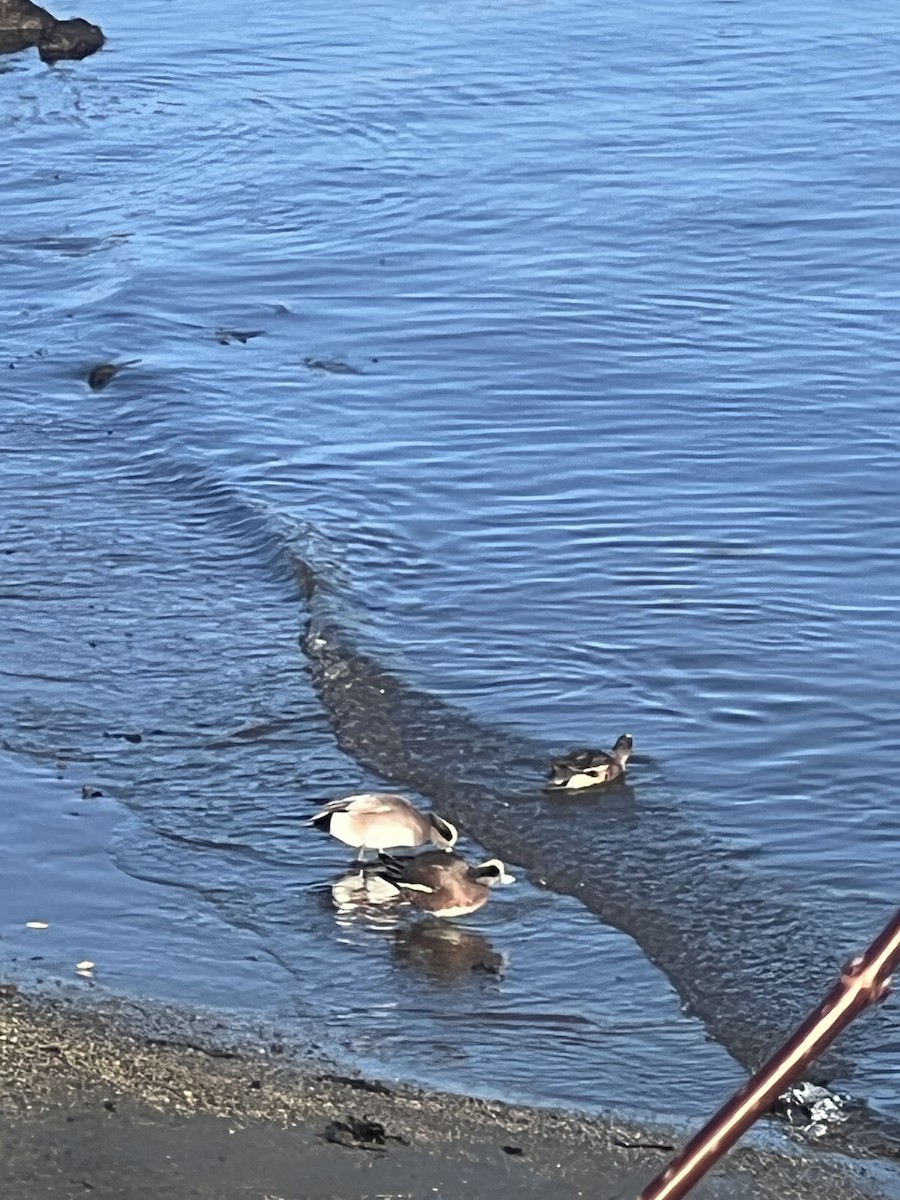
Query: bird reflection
[[368, 895], [446, 952], [438, 949]]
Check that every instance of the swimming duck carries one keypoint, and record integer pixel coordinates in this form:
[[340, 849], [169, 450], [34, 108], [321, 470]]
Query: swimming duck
[[587, 768], [442, 883], [382, 821]]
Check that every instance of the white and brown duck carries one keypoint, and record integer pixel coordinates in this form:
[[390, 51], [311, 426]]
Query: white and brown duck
[[382, 821], [588, 768], [442, 883]]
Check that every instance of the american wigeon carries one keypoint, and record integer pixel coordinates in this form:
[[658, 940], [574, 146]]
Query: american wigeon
[[443, 883], [587, 768], [382, 821]]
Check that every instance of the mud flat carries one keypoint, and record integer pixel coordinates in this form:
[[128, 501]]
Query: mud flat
[[135, 1102]]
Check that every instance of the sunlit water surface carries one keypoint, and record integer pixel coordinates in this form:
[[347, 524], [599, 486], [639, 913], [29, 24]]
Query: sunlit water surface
[[544, 356]]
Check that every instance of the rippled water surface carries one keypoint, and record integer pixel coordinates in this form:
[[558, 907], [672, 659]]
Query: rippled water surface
[[511, 375]]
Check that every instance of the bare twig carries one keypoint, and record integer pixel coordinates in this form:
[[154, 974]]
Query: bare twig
[[864, 981]]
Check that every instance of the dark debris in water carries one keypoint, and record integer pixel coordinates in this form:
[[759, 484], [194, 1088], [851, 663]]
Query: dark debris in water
[[39, 353], [226, 336], [101, 375], [333, 366]]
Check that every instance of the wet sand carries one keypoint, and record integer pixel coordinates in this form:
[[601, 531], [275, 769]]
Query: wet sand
[[142, 1103]]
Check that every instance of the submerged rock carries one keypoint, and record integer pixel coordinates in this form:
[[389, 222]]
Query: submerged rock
[[23, 24]]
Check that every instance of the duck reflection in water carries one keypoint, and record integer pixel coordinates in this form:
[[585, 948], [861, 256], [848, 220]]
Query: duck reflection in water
[[367, 894], [437, 948], [446, 952]]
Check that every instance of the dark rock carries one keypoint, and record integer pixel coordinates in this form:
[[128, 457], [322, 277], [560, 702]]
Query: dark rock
[[24, 24], [361, 1133], [21, 25], [75, 38]]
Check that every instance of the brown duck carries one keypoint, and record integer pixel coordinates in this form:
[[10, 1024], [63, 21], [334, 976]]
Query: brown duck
[[442, 882]]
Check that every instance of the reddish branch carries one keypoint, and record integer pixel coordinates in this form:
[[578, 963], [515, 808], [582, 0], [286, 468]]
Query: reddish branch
[[863, 982]]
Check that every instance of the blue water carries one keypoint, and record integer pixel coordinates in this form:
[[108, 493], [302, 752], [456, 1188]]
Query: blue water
[[572, 384]]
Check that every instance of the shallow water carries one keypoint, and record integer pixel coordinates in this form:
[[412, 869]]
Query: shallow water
[[541, 357]]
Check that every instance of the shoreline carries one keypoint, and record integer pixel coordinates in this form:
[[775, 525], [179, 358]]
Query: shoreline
[[138, 1101]]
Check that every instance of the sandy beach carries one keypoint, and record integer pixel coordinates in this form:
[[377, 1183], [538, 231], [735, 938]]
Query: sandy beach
[[151, 1104]]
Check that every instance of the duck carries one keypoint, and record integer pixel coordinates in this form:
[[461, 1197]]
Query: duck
[[382, 821], [442, 883], [588, 768]]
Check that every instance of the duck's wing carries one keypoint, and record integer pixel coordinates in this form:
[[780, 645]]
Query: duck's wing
[[376, 802], [599, 770], [419, 872], [404, 876], [363, 803], [577, 761]]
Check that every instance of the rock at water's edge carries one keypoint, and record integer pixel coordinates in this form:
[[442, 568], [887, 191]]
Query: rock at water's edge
[[24, 24]]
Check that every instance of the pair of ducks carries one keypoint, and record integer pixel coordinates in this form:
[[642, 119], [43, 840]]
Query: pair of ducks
[[437, 881], [440, 881]]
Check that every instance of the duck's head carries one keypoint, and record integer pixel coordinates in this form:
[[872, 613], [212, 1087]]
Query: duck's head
[[492, 873], [443, 834], [623, 748]]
